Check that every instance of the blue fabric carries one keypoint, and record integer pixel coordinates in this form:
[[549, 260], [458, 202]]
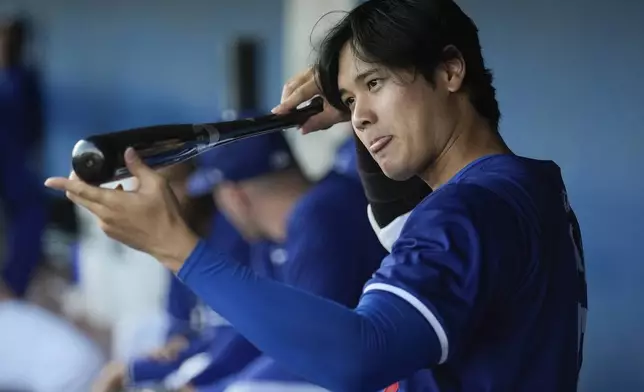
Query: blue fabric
[[182, 303], [231, 352], [486, 278], [323, 230], [504, 281]]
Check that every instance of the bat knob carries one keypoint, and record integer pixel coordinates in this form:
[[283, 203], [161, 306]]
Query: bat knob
[[89, 163]]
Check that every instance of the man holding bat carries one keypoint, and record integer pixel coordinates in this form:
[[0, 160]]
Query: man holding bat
[[484, 287]]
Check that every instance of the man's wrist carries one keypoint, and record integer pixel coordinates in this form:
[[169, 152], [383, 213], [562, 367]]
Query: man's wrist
[[183, 244]]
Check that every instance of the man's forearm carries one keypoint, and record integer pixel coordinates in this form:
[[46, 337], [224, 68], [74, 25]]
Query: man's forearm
[[324, 342]]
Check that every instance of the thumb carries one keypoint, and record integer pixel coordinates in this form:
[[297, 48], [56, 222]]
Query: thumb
[[136, 166]]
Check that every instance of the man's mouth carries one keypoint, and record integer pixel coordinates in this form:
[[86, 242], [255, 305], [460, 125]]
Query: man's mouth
[[379, 143]]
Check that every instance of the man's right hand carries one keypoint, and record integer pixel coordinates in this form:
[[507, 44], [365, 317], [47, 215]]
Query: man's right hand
[[301, 88]]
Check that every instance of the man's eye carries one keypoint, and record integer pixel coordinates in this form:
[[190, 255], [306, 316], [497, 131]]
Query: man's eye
[[349, 102], [373, 83]]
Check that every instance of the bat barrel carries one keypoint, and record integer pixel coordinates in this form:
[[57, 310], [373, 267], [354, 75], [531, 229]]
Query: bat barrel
[[89, 162]]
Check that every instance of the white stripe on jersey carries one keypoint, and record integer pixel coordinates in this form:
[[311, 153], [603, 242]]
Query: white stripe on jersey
[[419, 306]]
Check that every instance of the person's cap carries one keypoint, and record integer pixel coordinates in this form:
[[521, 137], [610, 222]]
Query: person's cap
[[240, 160]]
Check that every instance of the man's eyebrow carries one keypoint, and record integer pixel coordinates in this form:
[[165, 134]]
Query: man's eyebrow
[[360, 77], [365, 74]]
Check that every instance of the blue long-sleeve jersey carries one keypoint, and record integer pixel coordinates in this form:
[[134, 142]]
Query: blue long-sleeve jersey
[[483, 289]]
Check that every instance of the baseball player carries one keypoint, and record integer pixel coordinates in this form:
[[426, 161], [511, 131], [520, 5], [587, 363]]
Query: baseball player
[[484, 286]]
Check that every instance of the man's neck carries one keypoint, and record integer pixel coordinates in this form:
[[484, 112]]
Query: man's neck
[[471, 140]]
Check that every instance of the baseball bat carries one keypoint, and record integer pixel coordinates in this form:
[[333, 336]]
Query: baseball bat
[[99, 159]]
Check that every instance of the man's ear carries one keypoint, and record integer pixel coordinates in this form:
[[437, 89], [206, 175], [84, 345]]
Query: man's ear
[[453, 68]]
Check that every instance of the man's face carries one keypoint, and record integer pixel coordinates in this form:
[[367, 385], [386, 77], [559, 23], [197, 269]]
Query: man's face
[[400, 117]]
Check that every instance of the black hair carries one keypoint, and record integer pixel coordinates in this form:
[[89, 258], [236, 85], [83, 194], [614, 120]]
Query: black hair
[[409, 35]]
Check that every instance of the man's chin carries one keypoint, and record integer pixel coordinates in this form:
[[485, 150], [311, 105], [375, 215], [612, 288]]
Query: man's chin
[[396, 173]]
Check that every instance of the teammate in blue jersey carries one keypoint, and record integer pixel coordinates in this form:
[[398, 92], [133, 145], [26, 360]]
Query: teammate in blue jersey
[[484, 287], [24, 202], [194, 328], [312, 228]]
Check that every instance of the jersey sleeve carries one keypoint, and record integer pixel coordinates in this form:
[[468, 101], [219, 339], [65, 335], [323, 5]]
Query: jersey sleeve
[[446, 262]]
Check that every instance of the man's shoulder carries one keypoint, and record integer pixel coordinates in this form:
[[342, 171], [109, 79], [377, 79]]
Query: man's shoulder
[[459, 196], [496, 193], [513, 179], [505, 171], [456, 201], [482, 204]]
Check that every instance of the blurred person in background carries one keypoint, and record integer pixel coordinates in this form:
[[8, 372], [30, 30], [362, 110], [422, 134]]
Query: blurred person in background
[[39, 351], [21, 131], [320, 236]]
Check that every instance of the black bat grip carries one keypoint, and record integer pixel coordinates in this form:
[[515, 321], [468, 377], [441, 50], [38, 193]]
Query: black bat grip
[[99, 159]]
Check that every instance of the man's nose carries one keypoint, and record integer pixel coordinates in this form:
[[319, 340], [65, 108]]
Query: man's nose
[[362, 115]]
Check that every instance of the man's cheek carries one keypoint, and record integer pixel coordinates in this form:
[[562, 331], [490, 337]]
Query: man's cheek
[[361, 136]]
